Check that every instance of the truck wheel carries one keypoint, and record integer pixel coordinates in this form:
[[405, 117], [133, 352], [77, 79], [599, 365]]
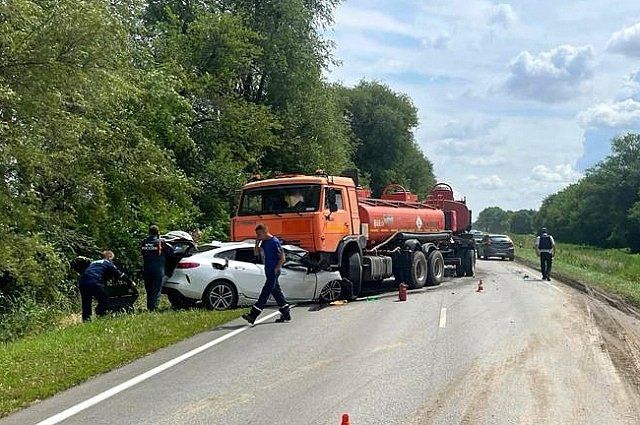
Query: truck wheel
[[418, 271], [469, 261], [436, 268], [354, 272]]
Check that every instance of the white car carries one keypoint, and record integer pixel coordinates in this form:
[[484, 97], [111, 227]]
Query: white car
[[227, 275]]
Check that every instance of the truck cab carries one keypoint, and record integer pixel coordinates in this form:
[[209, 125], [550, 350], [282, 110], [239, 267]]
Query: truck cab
[[316, 213]]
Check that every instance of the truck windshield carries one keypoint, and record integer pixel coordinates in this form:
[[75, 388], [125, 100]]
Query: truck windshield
[[280, 199]]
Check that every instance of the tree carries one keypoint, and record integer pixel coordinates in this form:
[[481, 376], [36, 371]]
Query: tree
[[493, 220], [383, 122], [521, 222]]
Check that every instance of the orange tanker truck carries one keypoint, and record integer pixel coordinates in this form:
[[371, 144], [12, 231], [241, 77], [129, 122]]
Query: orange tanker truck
[[367, 239]]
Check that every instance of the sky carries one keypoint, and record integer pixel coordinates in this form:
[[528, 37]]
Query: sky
[[515, 100]]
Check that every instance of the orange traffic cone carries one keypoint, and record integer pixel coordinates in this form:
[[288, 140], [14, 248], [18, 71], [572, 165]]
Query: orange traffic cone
[[345, 419], [480, 287]]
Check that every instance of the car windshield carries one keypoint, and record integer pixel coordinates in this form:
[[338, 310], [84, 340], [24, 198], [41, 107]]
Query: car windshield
[[280, 199]]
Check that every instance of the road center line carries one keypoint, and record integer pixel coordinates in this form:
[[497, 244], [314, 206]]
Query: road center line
[[144, 376], [443, 317]]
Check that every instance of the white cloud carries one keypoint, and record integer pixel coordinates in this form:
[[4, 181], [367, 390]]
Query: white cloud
[[553, 76], [492, 181], [501, 15], [354, 18], [439, 41], [621, 114], [455, 129], [626, 41], [484, 161], [563, 173]]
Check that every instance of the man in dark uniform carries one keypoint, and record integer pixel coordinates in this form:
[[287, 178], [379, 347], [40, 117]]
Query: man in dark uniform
[[545, 246], [154, 255], [92, 284], [273, 261]]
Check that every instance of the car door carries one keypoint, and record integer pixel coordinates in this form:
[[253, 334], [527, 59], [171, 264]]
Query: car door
[[297, 284], [247, 274]]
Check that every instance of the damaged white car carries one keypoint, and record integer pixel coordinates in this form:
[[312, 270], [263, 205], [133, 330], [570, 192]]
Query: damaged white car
[[228, 275]]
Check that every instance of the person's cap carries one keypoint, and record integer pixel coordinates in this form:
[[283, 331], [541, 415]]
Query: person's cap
[[543, 230]]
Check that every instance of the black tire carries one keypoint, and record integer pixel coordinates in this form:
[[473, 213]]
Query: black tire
[[220, 295], [418, 271], [330, 292], [436, 268], [511, 258], [179, 301], [352, 270], [469, 262]]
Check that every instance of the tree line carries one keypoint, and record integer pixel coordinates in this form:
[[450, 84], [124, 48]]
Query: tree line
[[602, 209], [118, 114]]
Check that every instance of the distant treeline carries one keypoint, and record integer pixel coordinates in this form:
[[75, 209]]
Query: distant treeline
[[602, 209], [117, 114]]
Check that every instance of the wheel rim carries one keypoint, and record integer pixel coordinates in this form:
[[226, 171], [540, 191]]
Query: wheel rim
[[439, 267], [331, 291], [221, 297], [421, 270]]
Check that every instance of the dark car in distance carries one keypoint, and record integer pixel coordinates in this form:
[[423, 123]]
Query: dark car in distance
[[496, 246]]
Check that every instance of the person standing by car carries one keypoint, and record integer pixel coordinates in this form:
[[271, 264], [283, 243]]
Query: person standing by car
[[92, 284], [155, 251], [273, 260], [545, 246]]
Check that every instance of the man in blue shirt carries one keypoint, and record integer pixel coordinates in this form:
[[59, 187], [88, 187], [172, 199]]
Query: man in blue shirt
[[92, 284], [154, 252], [273, 261]]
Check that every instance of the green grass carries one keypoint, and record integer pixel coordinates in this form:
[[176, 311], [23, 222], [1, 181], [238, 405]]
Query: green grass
[[615, 271], [39, 366]]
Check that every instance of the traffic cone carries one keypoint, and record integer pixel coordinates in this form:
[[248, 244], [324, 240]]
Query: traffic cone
[[345, 419], [480, 287]]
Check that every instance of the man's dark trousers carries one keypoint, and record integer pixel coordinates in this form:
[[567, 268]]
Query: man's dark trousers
[[271, 287], [546, 259], [153, 286], [89, 291]]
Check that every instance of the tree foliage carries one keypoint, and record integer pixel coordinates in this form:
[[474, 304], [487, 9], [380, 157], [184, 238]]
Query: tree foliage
[[114, 115], [383, 122], [602, 209]]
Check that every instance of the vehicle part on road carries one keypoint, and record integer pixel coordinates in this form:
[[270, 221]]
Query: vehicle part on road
[[402, 292], [345, 419], [480, 287], [331, 291], [220, 295], [436, 268]]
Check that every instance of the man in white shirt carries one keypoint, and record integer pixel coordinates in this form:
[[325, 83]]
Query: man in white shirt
[[545, 246]]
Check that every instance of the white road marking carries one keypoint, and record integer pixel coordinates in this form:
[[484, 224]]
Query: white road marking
[[556, 288], [144, 376], [443, 317]]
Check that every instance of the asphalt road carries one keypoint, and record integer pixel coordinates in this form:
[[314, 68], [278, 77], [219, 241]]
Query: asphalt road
[[522, 352]]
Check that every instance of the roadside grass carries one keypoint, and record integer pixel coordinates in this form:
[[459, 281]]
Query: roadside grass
[[39, 366], [615, 271]]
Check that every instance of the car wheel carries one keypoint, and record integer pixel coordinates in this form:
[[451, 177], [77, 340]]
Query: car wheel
[[511, 258], [179, 301], [220, 295], [331, 291]]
